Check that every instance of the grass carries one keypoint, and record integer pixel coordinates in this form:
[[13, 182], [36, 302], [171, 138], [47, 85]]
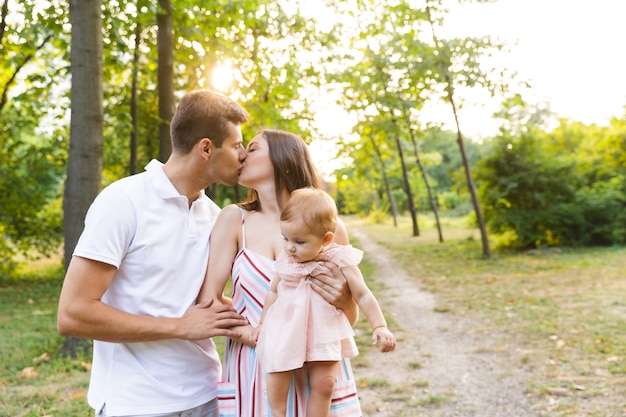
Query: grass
[[564, 308], [566, 313], [33, 381]]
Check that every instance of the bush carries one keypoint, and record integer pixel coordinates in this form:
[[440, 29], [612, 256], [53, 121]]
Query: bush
[[604, 212]]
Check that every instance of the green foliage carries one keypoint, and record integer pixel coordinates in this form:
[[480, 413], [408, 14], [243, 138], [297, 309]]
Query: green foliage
[[447, 201], [386, 70], [565, 187], [31, 177], [603, 211], [354, 196], [526, 191], [378, 215], [265, 45], [32, 132]]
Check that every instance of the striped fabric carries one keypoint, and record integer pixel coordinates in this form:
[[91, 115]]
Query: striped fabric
[[242, 392]]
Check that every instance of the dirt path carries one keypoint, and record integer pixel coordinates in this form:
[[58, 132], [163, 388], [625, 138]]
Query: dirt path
[[444, 365]]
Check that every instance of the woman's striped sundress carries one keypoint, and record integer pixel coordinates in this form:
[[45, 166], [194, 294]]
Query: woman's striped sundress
[[242, 390]]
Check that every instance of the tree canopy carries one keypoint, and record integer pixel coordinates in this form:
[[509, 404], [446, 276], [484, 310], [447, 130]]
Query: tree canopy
[[383, 60]]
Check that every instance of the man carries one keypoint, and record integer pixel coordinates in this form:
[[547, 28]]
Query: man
[[138, 266]]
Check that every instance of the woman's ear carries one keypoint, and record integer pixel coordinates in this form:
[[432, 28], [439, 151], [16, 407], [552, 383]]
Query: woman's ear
[[328, 238]]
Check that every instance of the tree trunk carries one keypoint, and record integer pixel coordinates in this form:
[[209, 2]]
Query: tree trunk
[[165, 43], [431, 197], [468, 176], [392, 201], [407, 186], [132, 166], [3, 19], [84, 167]]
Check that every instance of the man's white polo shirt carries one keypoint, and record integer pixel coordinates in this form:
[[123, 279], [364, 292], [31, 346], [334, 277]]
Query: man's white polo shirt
[[160, 246]]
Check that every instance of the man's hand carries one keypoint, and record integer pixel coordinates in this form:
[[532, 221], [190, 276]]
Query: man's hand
[[205, 320]]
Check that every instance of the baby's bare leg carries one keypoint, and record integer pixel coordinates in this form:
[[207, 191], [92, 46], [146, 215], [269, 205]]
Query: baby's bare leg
[[277, 392], [322, 377]]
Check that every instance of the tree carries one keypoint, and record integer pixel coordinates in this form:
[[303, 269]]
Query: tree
[[418, 160], [390, 80], [448, 82], [134, 100], [32, 156], [561, 186], [361, 188], [383, 170], [165, 44], [84, 169], [21, 60], [528, 192]]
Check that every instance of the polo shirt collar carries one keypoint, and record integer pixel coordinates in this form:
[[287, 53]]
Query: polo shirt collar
[[162, 184], [164, 187]]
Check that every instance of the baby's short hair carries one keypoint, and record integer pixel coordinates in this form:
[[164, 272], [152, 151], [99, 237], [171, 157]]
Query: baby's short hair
[[314, 207]]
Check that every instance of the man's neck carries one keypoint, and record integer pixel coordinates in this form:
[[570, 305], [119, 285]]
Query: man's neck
[[182, 178]]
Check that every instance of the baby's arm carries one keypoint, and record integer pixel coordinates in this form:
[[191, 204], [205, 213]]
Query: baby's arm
[[270, 298], [370, 307]]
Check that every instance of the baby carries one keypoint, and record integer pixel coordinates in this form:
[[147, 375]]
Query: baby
[[298, 326]]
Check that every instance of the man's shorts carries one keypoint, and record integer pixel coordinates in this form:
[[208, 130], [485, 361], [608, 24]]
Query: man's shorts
[[205, 410]]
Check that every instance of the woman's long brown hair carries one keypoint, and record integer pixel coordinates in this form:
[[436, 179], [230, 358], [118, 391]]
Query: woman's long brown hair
[[293, 166]]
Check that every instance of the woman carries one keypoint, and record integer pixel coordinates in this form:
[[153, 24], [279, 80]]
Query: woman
[[245, 243]]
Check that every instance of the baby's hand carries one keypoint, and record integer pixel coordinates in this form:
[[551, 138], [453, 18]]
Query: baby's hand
[[388, 342], [254, 334]]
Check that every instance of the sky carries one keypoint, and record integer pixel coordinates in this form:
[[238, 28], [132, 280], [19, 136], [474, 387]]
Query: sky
[[572, 52]]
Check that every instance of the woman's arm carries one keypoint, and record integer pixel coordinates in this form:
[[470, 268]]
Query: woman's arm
[[223, 248]]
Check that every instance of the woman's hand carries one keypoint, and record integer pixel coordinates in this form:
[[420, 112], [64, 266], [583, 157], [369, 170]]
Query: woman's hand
[[332, 285]]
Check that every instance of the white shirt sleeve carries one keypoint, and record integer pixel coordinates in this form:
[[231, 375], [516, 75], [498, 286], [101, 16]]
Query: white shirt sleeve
[[110, 226]]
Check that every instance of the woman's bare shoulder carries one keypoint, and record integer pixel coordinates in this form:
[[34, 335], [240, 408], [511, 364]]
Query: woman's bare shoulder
[[229, 214], [232, 209]]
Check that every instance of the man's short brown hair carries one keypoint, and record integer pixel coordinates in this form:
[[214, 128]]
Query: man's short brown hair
[[204, 114]]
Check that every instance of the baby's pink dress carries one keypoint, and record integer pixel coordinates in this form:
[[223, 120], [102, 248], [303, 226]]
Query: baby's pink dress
[[301, 326]]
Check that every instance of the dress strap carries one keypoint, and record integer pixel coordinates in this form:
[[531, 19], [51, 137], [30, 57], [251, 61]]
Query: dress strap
[[243, 228]]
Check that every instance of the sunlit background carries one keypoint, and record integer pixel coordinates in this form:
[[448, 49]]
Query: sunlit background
[[570, 51], [222, 76]]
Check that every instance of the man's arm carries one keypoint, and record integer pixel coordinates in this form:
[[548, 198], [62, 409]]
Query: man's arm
[[81, 312]]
